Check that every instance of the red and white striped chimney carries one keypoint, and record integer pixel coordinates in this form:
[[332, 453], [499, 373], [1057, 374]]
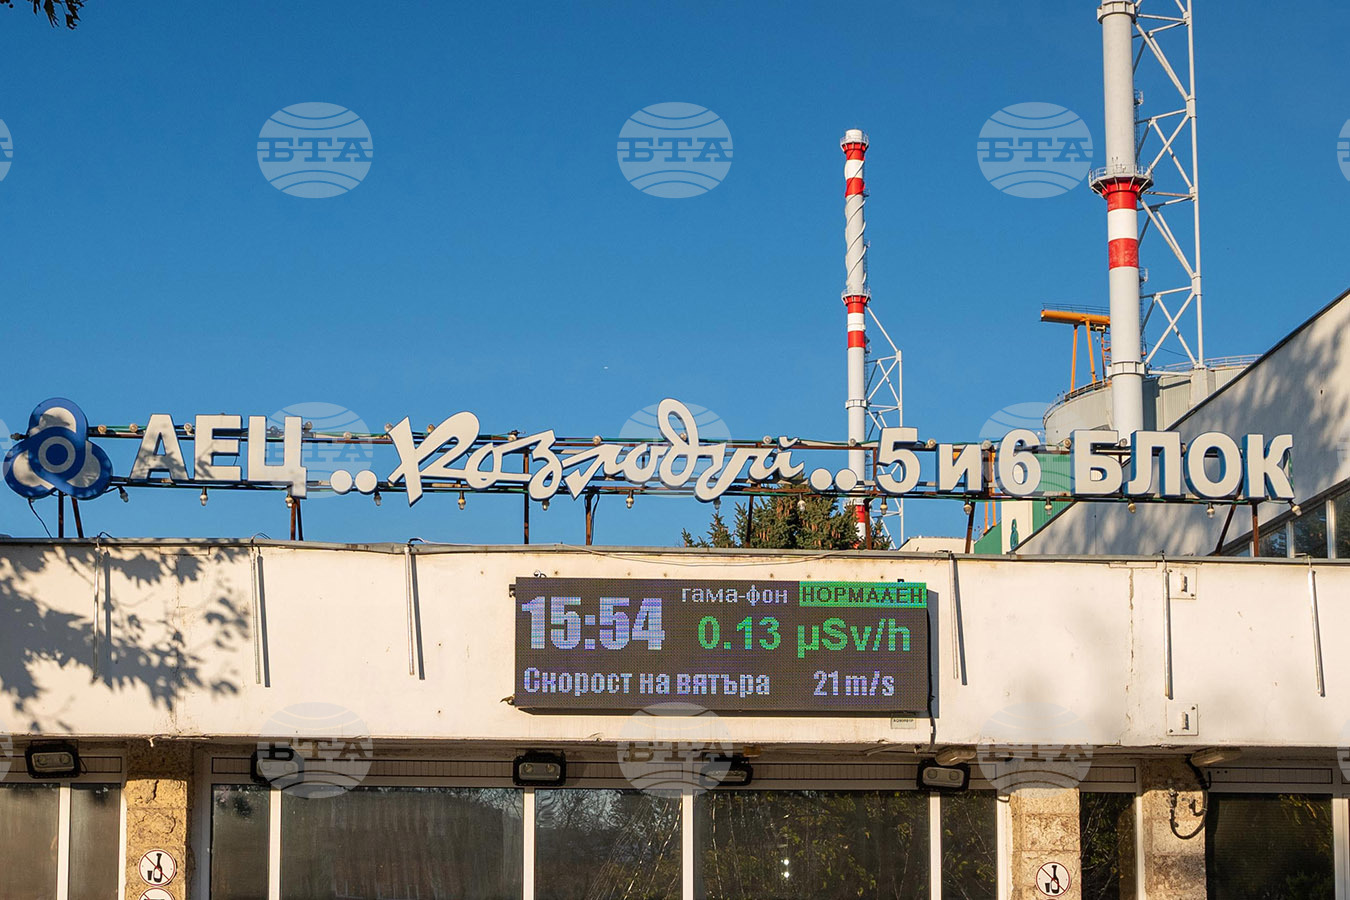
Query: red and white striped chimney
[[856, 295], [1121, 182]]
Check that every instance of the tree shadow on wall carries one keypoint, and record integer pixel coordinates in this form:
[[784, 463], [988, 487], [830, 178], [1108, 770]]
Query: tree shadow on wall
[[117, 617]]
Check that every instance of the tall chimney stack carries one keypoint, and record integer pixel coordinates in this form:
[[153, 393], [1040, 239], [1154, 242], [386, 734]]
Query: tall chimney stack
[[856, 295], [1120, 183]]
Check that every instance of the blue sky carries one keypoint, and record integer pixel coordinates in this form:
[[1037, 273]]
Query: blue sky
[[495, 259]]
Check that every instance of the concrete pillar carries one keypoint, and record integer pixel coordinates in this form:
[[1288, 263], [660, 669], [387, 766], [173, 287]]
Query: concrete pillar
[[1174, 857], [159, 812], [1044, 832]]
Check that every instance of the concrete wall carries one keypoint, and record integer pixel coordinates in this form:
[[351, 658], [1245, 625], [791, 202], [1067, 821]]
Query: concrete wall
[[175, 649], [1301, 387]]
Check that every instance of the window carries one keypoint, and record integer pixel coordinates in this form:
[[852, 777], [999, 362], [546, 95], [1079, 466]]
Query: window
[[433, 843], [826, 845], [1269, 845], [28, 825], [1310, 532], [34, 829], [600, 844], [239, 827], [970, 846], [1106, 829], [1274, 540], [1342, 516]]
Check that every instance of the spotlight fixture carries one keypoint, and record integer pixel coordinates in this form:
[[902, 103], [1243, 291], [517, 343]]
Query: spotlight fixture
[[1130, 506], [274, 762], [1295, 508], [54, 760], [1209, 511], [727, 771], [1214, 756], [937, 777], [122, 492], [967, 507], [544, 505], [203, 496], [629, 502], [954, 756], [378, 498], [883, 506], [462, 502], [538, 769], [1049, 507]]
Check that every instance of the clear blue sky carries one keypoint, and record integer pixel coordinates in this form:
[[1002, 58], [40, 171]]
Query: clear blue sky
[[496, 260]]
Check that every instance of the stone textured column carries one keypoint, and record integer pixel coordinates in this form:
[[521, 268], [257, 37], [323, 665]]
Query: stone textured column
[[159, 812], [1044, 830], [1174, 858]]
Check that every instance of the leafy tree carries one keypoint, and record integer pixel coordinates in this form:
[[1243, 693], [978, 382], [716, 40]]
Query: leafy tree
[[789, 518], [56, 10]]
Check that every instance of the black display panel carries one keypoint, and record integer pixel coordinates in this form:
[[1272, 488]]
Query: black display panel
[[808, 647]]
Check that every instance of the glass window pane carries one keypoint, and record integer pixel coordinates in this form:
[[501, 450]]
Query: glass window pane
[[1274, 540], [1310, 532], [606, 845], [95, 832], [1269, 845], [28, 816], [372, 843], [970, 846], [1342, 526], [239, 824], [1106, 828], [826, 845]]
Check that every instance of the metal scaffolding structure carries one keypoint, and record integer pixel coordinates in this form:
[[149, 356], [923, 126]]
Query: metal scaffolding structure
[[885, 409], [1167, 148]]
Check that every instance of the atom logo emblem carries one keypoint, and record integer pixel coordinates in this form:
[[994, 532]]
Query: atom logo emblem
[[56, 455]]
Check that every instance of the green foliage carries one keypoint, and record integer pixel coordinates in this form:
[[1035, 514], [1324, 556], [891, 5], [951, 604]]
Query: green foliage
[[56, 10], [788, 519]]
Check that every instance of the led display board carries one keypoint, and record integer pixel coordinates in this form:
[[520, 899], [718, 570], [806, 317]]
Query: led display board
[[806, 647]]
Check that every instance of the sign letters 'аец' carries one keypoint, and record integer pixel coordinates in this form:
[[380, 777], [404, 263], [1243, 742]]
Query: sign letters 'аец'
[[809, 647]]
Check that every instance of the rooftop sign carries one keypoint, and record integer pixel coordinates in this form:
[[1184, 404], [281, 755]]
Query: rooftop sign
[[59, 454]]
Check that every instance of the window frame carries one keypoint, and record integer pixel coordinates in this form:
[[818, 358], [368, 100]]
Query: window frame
[[1271, 779], [215, 767], [112, 770]]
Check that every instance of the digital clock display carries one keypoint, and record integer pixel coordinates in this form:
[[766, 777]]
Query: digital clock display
[[811, 647]]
